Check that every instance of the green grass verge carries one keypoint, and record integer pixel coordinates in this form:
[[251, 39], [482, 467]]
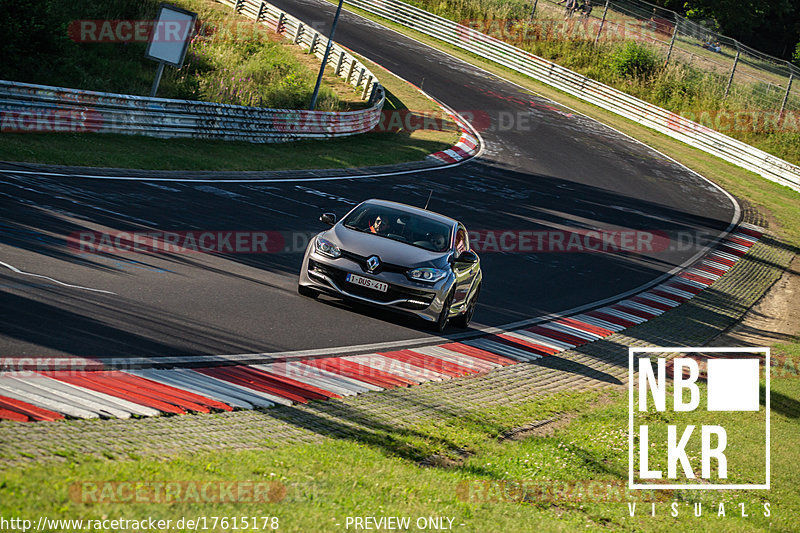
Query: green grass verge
[[128, 151], [684, 86], [231, 61], [459, 468]]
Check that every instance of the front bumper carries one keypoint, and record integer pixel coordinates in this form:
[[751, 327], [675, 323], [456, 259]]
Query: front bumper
[[329, 276]]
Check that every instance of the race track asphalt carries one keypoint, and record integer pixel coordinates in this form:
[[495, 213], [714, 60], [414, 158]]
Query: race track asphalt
[[543, 168]]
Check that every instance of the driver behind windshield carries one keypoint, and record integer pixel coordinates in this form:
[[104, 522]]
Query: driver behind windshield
[[380, 225]]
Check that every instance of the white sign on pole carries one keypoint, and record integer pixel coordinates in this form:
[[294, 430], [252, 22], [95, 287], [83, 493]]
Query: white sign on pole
[[171, 34]]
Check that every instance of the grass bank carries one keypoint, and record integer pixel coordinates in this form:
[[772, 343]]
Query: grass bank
[[638, 69], [494, 482], [232, 60], [266, 71]]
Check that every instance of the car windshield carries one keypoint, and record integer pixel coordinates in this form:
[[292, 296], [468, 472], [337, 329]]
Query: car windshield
[[390, 223]]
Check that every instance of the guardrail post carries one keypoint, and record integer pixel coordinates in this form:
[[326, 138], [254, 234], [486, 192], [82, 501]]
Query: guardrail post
[[360, 76], [366, 88], [238, 6], [786, 96], [298, 33], [279, 25], [350, 71], [261, 11], [372, 95], [313, 43], [339, 64], [672, 41], [733, 70], [602, 23]]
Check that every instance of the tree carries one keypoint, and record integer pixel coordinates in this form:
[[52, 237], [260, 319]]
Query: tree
[[771, 26]]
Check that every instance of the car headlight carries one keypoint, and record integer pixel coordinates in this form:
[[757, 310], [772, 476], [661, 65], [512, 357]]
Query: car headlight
[[327, 248], [430, 275]]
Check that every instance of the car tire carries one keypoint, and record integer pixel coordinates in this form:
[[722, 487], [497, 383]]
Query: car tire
[[462, 321], [307, 291], [441, 322]]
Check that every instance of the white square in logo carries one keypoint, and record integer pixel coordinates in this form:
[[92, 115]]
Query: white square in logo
[[733, 385]]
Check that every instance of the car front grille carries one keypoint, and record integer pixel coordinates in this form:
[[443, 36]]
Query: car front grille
[[420, 299], [383, 267]]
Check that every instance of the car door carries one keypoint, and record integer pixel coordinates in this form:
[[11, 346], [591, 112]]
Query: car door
[[465, 273]]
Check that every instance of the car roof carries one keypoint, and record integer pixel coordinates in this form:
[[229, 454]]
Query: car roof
[[411, 209]]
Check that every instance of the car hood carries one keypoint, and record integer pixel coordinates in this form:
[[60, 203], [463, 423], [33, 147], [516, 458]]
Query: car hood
[[389, 251]]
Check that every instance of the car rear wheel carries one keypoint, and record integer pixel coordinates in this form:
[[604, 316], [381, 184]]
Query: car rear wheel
[[462, 321], [307, 291], [444, 315]]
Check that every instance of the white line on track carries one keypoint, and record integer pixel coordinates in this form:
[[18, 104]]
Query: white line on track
[[18, 271]]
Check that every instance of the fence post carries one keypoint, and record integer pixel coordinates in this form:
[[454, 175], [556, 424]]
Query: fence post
[[672, 41], [602, 23], [372, 95], [366, 88], [533, 9], [313, 43], [733, 70], [786, 96], [339, 63]]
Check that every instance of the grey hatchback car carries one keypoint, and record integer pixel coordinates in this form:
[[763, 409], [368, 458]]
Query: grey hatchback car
[[397, 257]]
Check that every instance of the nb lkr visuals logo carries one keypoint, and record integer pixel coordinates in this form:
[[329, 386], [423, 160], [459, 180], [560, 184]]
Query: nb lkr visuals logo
[[713, 391]]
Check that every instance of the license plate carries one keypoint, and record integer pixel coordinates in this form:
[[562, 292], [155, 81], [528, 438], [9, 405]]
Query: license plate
[[369, 283]]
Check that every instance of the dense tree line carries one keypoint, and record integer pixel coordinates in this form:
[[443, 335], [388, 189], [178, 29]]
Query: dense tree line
[[771, 26]]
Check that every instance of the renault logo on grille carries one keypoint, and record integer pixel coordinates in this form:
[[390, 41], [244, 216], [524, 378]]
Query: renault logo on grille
[[373, 263]]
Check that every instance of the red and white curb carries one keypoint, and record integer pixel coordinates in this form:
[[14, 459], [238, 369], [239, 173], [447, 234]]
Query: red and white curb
[[55, 394], [468, 144], [466, 147]]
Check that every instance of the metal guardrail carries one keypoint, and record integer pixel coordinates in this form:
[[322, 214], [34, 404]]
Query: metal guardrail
[[661, 120], [27, 107]]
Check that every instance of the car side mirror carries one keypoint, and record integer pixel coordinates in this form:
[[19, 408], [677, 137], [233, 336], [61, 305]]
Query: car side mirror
[[467, 257], [328, 218]]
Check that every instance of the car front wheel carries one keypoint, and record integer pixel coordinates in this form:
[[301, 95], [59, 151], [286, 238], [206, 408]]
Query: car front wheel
[[462, 321], [444, 315]]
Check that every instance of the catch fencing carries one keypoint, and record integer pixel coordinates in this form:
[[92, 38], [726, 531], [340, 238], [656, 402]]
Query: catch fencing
[[509, 56]]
